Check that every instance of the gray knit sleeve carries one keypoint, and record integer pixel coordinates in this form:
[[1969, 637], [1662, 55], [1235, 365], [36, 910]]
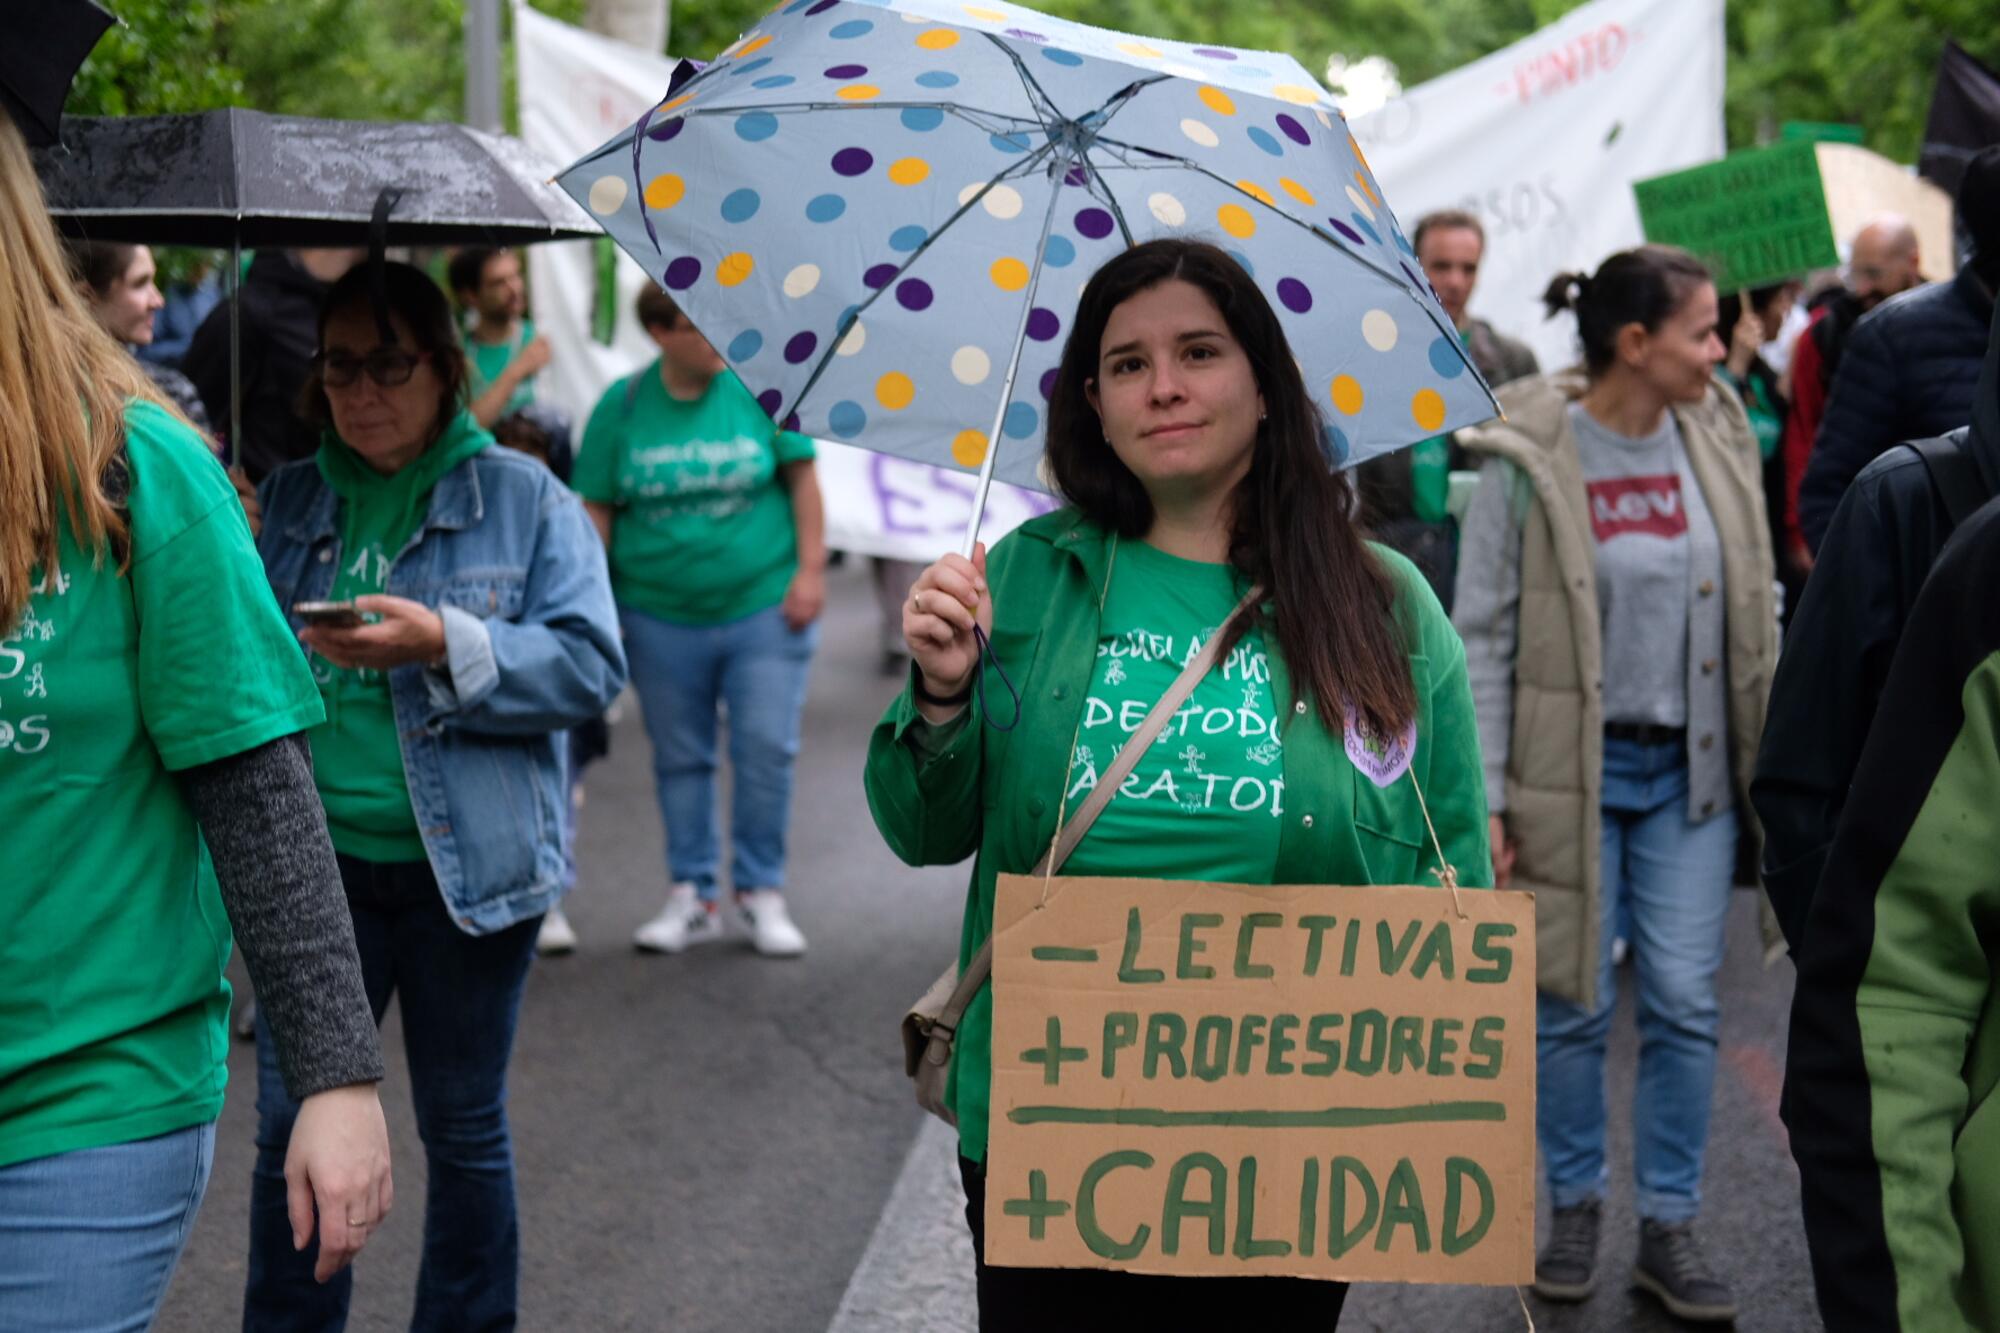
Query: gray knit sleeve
[[1485, 611], [266, 832]]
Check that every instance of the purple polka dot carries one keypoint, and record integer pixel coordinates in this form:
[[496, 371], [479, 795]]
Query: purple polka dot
[[821, 7], [682, 274], [1348, 232], [1293, 130], [846, 71], [798, 349], [1076, 176], [1024, 35], [1298, 298], [791, 421], [915, 294], [1422, 285], [1043, 324], [879, 276], [1214, 53], [666, 129], [852, 161], [1094, 223], [771, 400], [1049, 383]]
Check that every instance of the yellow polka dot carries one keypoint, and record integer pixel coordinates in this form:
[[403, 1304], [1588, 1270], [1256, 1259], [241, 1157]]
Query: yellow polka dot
[[1347, 396], [937, 39], [677, 103], [1257, 192], [1428, 408], [968, 448], [859, 92], [665, 191], [755, 44], [894, 391], [1217, 101], [734, 269], [910, 171], [1142, 51], [988, 15], [1367, 187], [1359, 156], [1236, 220], [1293, 93], [1009, 275], [1297, 191]]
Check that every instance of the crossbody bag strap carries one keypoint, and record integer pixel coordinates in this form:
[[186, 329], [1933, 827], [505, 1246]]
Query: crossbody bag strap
[[1100, 796], [1954, 476]]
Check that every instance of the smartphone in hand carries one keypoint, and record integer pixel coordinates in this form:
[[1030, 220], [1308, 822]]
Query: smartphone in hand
[[329, 615]]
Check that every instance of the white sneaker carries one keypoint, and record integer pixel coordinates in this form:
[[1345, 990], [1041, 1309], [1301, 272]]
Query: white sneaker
[[555, 937], [770, 925], [685, 920]]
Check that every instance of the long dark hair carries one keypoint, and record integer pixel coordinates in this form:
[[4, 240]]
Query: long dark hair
[[1645, 286], [1291, 524], [413, 297]]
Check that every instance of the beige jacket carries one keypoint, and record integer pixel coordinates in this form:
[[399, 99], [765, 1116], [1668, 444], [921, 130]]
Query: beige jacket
[[1555, 764]]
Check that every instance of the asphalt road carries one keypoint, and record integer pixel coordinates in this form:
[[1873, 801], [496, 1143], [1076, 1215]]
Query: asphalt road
[[712, 1143]]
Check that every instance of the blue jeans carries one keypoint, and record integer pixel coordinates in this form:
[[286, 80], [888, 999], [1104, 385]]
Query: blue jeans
[[461, 996], [1674, 877], [756, 669], [88, 1239]]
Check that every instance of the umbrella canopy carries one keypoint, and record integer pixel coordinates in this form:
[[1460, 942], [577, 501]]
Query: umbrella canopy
[[218, 178], [882, 213], [46, 42]]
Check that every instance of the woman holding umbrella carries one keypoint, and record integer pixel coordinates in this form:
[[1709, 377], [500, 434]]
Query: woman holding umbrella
[[490, 632], [158, 793], [1184, 438]]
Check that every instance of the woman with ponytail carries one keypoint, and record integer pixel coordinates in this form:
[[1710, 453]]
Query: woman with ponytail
[[1615, 598], [1201, 504], [157, 793]]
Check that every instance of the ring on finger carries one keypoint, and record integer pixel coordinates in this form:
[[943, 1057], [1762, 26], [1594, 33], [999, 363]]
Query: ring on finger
[[917, 601]]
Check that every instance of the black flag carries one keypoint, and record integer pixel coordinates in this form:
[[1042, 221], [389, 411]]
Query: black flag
[[1965, 117]]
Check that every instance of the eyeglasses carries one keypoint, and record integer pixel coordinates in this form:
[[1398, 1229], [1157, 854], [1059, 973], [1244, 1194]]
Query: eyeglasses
[[387, 366]]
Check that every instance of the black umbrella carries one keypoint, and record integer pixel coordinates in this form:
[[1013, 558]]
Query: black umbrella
[[46, 41], [235, 178]]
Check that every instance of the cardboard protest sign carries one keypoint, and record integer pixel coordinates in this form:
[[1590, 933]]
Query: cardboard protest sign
[[1756, 217], [1230, 1080]]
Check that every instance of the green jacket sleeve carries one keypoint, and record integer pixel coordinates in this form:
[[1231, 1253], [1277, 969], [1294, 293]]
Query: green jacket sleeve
[[924, 789]]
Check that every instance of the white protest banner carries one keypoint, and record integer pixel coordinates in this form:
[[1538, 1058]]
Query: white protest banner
[[576, 90], [1543, 140]]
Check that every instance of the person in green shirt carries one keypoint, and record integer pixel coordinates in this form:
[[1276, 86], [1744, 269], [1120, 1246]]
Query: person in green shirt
[[159, 799], [503, 352], [1190, 453], [718, 553]]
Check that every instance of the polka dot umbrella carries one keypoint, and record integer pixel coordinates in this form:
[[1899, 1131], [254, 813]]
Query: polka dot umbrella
[[882, 213]]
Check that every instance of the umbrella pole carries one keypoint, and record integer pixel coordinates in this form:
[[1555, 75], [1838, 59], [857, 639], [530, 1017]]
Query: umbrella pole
[[1059, 170], [233, 455]]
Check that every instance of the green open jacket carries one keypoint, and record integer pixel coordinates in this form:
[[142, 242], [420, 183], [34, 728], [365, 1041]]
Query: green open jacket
[[995, 794]]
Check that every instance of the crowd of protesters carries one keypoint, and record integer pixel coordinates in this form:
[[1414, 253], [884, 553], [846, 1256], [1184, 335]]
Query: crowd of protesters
[[1564, 625]]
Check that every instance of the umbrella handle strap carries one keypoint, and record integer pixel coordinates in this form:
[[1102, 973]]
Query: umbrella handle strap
[[987, 655]]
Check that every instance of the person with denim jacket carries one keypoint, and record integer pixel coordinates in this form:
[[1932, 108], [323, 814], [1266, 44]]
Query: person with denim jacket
[[489, 631]]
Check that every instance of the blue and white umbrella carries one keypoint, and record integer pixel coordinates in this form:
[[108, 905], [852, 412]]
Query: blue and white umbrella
[[882, 213]]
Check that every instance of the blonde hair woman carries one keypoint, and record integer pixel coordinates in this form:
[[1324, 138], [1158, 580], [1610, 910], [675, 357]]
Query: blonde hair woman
[[151, 700]]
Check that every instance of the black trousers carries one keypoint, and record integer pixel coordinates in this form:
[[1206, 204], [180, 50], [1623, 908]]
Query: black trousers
[[1092, 1300]]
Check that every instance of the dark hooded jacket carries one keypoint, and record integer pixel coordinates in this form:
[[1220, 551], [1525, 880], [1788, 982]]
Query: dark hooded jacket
[[1884, 538], [280, 332]]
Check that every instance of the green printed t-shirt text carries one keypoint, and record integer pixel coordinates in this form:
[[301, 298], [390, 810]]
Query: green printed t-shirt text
[[1207, 797], [357, 753], [490, 361], [113, 1007], [703, 531]]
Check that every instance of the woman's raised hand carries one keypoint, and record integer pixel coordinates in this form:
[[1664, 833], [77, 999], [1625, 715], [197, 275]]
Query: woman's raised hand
[[946, 601]]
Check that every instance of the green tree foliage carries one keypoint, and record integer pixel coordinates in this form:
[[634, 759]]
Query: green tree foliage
[[1867, 62]]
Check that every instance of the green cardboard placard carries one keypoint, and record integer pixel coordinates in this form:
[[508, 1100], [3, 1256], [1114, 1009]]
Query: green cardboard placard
[[1755, 218]]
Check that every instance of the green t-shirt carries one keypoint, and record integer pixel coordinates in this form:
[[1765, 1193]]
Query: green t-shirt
[[357, 752], [1212, 786], [113, 1008], [487, 361], [703, 532]]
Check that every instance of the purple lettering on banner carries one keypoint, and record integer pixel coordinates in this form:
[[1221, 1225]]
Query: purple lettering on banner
[[887, 497]]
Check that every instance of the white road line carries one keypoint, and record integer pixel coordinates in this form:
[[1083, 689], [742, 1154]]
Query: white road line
[[916, 1273]]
